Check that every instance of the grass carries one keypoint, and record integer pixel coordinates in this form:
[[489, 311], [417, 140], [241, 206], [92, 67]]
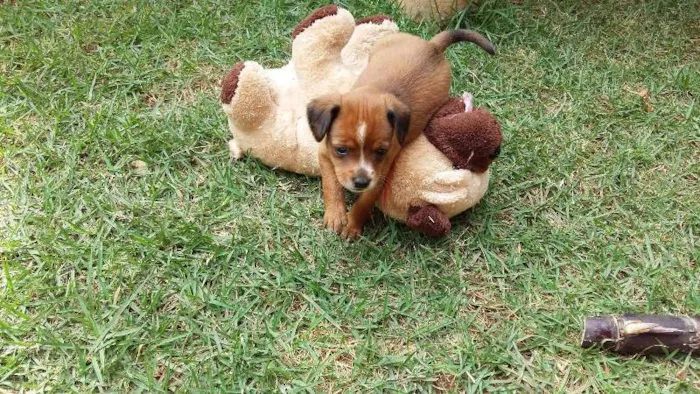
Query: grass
[[196, 274]]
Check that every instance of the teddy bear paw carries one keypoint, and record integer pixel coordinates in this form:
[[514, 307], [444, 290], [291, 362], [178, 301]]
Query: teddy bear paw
[[374, 19], [429, 220], [319, 14], [234, 151]]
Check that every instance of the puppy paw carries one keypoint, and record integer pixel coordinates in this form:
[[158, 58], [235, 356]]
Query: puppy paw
[[351, 232], [335, 220], [353, 229]]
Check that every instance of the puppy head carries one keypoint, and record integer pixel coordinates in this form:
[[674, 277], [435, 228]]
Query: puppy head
[[363, 132]]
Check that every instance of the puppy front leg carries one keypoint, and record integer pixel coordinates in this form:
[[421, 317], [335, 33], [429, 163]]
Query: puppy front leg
[[334, 217], [360, 212]]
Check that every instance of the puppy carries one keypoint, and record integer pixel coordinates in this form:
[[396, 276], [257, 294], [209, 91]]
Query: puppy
[[406, 80]]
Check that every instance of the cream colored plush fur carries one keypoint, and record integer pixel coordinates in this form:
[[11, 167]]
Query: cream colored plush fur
[[437, 10], [267, 117], [422, 175]]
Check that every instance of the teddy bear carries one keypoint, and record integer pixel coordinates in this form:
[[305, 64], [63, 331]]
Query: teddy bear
[[266, 108], [442, 173], [445, 171]]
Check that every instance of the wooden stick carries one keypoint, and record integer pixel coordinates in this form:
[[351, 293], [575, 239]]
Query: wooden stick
[[643, 334]]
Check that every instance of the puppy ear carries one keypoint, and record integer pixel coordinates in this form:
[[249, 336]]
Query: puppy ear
[[399, 116], [321, 113]]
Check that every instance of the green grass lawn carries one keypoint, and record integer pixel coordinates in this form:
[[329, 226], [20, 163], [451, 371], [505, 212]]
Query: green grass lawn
[[198, 274]]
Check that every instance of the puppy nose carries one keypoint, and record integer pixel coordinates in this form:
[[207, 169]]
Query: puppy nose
[[360, 182]]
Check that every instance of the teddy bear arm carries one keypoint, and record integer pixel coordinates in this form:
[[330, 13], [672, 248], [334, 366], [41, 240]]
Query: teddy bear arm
[[428, 220]]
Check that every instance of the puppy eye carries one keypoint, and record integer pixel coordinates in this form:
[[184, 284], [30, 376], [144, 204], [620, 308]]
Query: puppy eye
[[341, 151], [380, 152]]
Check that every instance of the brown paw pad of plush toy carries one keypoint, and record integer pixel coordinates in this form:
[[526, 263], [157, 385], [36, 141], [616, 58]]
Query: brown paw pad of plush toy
[[376, 19], [428, 220], [230, 83], [320, 13]]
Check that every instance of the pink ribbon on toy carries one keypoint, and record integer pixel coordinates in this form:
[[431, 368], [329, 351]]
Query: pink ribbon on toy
[[467, 98]]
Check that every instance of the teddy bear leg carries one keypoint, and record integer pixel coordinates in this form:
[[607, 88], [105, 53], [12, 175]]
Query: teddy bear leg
[[428, 220], [367, 31], [247, 96], [317, 42]]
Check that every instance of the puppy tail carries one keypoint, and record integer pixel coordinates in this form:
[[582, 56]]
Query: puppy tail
[[447, 38]]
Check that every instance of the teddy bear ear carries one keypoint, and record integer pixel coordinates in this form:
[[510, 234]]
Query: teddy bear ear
[[321, 113]]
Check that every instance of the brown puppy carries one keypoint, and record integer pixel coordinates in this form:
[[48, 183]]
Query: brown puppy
[[406, 80]]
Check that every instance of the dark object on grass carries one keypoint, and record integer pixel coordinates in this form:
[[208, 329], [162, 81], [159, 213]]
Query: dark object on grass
[[643, 334]]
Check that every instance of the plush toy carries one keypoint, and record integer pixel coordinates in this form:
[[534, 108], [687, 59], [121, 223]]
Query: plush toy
[[445, 171], [442, 173]]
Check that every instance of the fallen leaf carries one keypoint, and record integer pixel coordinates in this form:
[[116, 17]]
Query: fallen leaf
[[646, 105], [151, 100], [139, 166], [681, 375], [160, 372]]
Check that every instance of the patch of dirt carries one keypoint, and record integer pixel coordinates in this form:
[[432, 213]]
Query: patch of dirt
[[444, 382]]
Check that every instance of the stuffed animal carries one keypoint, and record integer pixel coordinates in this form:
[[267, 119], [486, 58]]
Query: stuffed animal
[[266, 108], [445, 171], [442, 173]]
